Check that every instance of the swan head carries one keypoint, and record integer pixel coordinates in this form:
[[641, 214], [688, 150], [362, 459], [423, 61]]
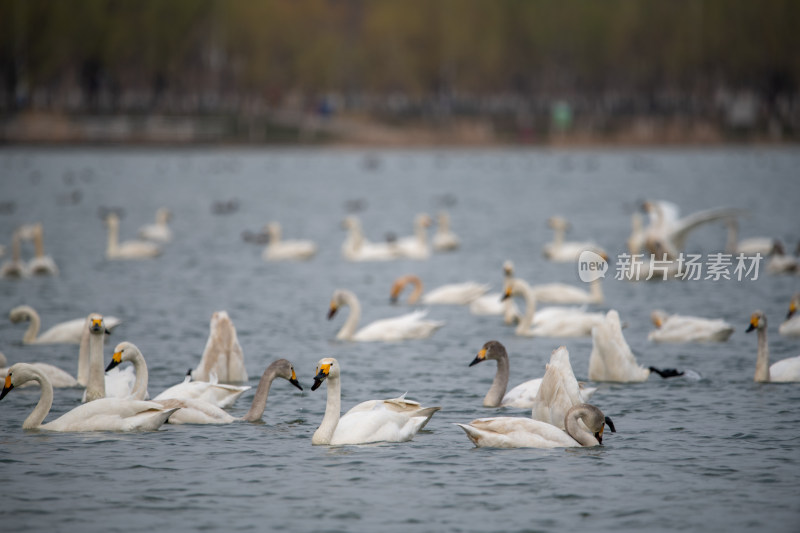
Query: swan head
[[96, 324], [163, 215], [327, 367], [423, 220], [490, 350], [793, 305], [658, 317], [337, 300], [18, 374], [19, 314], [273, 229], [124, 351], [508, 268], [592, 417], [558, 222], [758, 320], [285, 370]]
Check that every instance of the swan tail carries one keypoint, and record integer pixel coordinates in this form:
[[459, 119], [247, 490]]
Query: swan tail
[[666, 372], [427, 413], [471, 432]]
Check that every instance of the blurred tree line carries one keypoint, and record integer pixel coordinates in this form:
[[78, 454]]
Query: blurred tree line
[[195, 55]]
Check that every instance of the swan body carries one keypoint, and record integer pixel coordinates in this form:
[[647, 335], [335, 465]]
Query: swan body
[[416, 246], [584, 425], [779, 262], [791, 326], [15, 268], [104, 414], [68, 332], [563, 251], [786, 370], [223, 355], [357, 248], [493, 304], [408, 326], [750, 246], [444, 240], [612, 358], [158, 232], [127, 249], [684, 328], [562, 293], [396, 420], [453, 293], [550, 321], [41, 264], [280, 250]]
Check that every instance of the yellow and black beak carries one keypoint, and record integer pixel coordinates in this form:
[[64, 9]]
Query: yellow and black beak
[[506, 294], [753, 324], [115, 360], [599, 434], [792, 310], [322, 373], [332, 311], [293, 380], [7, 386], [479, 358], [97, 326]]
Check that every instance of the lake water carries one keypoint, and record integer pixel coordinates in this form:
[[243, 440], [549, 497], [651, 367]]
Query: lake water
[[717, 454]]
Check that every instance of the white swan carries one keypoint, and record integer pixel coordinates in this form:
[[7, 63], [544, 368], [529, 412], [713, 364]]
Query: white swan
[[416, 246], [127, 249], [357, 248], [408, 326], [68, 332], [280, 250], [612, 358], [15, 267], [684, 328], [566, 251], [563, 293], [453, 293], [559, 390], [493, 303], [57, 377], [785, 370], [101, 384], [791, 326], [158, 232], [219, 394], [550, 321], [584, 425], [444, 240], [394, 420], [41, 264], [779, 262], [223, 354], [104, 414], [750, 246]]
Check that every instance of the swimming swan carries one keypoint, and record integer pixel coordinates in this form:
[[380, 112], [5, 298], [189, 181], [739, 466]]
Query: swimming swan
[[785, 370], [584, 425], [100, 384], [550, 321], [223, 354], [280, 250], [127, 249], [453, 293], [41, 264], [357, 248], [68, 332], [791, 326], [612, 359], [563, 293], [444, 240], [416, 246], [373, 421], [407, 326], [684, 328], [219, 394], [566, 251], [104, 414], [158, 232], [493, 303], [15, 267]]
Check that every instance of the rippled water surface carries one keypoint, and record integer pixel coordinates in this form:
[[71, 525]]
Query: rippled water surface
[[716, 454]]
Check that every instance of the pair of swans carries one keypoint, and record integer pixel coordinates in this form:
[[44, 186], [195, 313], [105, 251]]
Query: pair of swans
[[136, 249], [444, 240], [223, 355], [791, 326], [785, 370], [453, 293], [393, 420], [555, 392], [563, 251], [612, 359], [68, 332], [198, 402], [684, 328], [550, 321], [408, 326], [280, 250], [356, 247], [159, 231]]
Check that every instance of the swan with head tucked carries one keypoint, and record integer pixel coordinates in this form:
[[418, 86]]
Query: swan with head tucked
[[41, 264], [396, 420], [357, 248], [550, 321], [493, 303], [453, 293], [791, 326], [444, 240], [104, 414], [15, 267], [416, 246], [69, 332], [563, 251], [559, 390], [584, 425], [280, 250], [158, 232], [612, 359], [408, 326], [127, 249], [685, 328], [223, 355], [785, 370], [57, 377], [100, 384]]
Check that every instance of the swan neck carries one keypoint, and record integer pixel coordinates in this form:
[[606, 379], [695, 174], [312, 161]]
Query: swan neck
[[350, 325], [139, 391], [558, 236], [33, 328], [16, 248], [762, 360], [521, 287], [596, 291], [496, 392], [44, 404], [421, 233], [262, 393], [325, 431], [96, 387], [38, 243], [417, 292], [113, 239], [83, 357], [578, 431]]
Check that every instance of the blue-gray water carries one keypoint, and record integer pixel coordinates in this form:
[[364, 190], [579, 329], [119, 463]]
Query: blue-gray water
[[718, 454]]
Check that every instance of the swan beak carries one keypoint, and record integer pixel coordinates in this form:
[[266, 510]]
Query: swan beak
[[479, 358], [599, 435], [506, 295], [753, 324], [115, 360], [6, 387], [293, 380], [97, 325], [792, 310], [332, 311], [322, 373]]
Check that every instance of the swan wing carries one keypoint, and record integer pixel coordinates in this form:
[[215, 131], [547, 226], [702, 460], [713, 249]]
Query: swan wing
[[408, 326], [112, 414], [376, 425], [455, 293], [681, 228], [791, 327], [611, 358], [68, 332], [785, 370], [194, 411], [523, 395], [511, 432]]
